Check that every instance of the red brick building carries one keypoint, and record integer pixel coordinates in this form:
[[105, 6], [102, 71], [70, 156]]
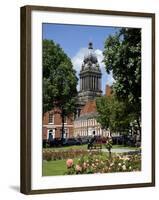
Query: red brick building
[[83, 125], [52, 125]]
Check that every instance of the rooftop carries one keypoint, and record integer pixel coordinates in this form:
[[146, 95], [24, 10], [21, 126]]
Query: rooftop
[[90, 107]]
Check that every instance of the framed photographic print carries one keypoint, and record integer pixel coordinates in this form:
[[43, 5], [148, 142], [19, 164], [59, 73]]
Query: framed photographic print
[[87, 99]]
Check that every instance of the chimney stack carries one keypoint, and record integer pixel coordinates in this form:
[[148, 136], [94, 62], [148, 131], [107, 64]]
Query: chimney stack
[[108, 90]]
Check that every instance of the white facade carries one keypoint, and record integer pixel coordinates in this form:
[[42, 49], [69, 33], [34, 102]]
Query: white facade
[[86, 127]]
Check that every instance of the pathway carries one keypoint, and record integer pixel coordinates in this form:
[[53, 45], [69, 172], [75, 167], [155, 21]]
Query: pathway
[[121, 150]]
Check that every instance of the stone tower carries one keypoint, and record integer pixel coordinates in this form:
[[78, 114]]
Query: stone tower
[[90, 77]]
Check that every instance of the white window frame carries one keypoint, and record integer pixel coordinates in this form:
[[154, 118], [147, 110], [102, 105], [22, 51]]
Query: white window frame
[[52, 118]]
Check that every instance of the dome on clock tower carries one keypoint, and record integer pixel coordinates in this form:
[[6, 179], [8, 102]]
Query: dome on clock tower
[[90, 77], [90, 60], [90, 56]]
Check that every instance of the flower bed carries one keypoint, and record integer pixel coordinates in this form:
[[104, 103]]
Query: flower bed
[[101, 164], [71, 153]]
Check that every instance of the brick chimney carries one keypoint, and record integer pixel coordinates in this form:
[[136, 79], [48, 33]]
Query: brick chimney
[[108, 90]]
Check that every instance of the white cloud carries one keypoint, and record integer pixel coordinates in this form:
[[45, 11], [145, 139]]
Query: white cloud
[[78, 59], [110, 79], [77, 62], [100, 57]]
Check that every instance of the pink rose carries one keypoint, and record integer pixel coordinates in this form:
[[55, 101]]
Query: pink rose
[[78, 168], [69, 163], [93, 164], [84, 165]]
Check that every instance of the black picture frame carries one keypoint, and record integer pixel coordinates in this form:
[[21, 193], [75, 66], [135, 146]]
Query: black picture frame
[[26, 98]]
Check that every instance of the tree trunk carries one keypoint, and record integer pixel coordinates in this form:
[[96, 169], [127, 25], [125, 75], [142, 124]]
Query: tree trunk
[[139, 128], [110, 154], [110, 133], [63, 127]]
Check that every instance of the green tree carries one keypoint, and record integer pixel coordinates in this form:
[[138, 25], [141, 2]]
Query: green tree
[[59, 81], [122, 57], [113, 114]]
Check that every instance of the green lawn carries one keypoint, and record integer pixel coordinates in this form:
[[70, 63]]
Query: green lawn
[[84, 147], [57, 167], [68, 147], [123, 147], [51, 168]]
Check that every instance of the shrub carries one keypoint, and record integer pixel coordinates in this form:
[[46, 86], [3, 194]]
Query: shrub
[[101, 164], [66, 154]]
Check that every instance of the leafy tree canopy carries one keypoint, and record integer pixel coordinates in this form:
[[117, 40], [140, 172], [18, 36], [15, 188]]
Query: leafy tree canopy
[[59, 79], [113, 114], [122, 57]]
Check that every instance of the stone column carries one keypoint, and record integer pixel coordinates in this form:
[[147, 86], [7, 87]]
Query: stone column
[[87, 82], [95, 83], [91, 82], [80, 84], [99, 84], [83, 83]]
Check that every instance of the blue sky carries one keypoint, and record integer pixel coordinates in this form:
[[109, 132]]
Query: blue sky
[[74, 40]]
